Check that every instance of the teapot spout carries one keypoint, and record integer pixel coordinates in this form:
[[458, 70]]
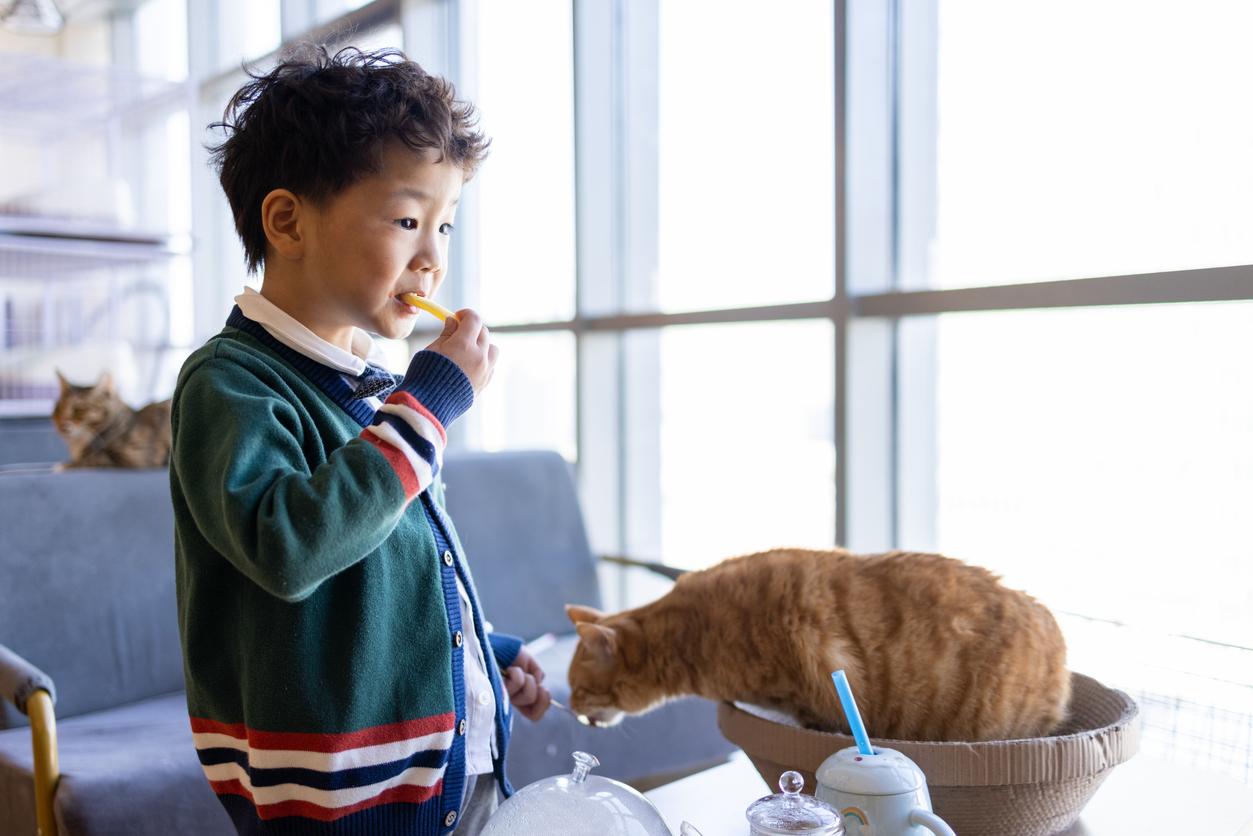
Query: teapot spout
[[686, 829]]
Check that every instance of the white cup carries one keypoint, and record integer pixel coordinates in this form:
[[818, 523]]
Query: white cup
[[884, 794]]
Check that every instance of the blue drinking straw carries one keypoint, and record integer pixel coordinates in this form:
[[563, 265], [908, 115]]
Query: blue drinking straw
[[851, 712]]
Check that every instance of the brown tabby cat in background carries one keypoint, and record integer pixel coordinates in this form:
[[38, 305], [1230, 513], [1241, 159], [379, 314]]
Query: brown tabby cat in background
[[935, 649], [102, 431]]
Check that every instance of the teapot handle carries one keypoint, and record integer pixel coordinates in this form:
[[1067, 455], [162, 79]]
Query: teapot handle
[[686, 829], [929, 820]]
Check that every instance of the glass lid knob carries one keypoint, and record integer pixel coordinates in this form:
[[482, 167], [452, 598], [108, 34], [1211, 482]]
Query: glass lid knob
[[583, 764], [791, 783]]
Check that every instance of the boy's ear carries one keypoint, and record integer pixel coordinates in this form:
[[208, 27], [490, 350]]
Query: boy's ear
[[578, 614], [281, 219], [602, 642]]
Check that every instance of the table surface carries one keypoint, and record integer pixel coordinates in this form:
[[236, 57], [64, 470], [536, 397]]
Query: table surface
[[1145, 796]]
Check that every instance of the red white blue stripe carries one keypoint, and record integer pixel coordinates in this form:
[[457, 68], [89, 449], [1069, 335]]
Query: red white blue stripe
[[411, 438], [325, 776]]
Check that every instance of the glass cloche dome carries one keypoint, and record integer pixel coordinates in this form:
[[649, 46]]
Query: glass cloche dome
[[575, 805]]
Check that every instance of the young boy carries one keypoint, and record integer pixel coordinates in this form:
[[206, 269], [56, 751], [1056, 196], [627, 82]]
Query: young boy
[[341, 677]]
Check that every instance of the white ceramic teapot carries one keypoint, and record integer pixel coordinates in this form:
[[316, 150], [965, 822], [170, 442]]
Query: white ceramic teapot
[[884, 794]]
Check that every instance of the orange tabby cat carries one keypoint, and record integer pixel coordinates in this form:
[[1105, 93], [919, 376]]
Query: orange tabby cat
[[102, 431], [935, 649]]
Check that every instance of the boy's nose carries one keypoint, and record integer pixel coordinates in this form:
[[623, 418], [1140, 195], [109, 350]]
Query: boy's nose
[[427, 260]]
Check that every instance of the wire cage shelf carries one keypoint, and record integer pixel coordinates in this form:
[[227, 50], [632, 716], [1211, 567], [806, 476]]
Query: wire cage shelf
[[83, 290]]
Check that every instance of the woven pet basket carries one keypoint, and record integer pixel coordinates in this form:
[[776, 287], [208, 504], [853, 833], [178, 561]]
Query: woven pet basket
[[1032, 787]]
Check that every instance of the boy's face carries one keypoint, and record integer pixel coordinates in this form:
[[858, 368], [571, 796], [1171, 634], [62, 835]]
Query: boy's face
[[385, 235]]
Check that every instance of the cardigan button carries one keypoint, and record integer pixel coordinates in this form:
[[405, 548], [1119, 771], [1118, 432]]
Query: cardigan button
[[461, 727], [450, 818], [447, 558], [458, 638]]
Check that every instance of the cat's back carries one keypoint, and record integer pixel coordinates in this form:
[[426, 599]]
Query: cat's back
[[937, 648], [931, 585]]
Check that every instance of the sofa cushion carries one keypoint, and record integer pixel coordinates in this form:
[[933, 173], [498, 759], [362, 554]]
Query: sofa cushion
[[89, 556], [129, 770], [518, 516], [678, 736]]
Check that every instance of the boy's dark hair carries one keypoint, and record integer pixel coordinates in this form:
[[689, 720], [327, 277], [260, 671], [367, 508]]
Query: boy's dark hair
[[315, 125]]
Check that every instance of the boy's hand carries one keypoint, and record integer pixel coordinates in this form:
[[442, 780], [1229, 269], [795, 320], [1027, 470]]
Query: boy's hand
[[523, 682], [465, 340]]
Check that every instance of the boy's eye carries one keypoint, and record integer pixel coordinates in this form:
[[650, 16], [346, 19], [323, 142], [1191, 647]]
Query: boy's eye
[[445, 229]]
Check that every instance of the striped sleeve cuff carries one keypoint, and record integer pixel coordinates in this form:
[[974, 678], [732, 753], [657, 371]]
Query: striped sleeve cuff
[[408, 428]]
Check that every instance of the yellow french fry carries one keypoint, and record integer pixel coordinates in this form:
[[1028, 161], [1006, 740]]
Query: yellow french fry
[[433, 308]]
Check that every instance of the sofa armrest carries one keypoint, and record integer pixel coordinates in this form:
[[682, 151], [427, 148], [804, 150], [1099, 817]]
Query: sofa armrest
[[34, 694], [671, 572], [19, 679]]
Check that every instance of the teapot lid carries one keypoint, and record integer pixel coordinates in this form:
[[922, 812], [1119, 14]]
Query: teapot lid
[[792, 812], [886, 772]]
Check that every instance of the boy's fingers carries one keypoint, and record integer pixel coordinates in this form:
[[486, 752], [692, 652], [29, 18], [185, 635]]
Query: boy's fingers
[[525, 695], [469, 324], [536, 710], [450, 325], [532, 667], [521, 687]]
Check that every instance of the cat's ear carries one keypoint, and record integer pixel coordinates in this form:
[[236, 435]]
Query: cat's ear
[[105, 383], [601, 642], [580, 614], [65, 384]]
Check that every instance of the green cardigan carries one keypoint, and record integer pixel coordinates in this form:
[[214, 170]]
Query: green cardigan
[[317, 599]]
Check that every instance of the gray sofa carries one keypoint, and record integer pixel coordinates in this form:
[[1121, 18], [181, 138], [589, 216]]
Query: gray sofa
[[88, 598]]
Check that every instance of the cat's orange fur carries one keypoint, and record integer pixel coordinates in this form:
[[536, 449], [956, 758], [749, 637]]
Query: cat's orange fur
[[100, 430], [935, 649]]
